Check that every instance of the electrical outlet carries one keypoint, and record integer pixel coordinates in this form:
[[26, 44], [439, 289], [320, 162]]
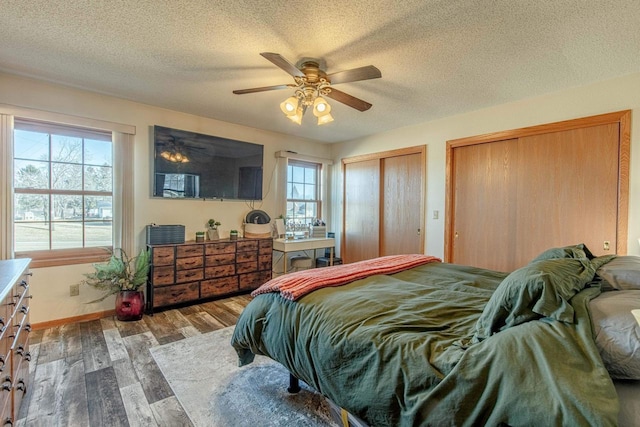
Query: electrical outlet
[[74, 290]]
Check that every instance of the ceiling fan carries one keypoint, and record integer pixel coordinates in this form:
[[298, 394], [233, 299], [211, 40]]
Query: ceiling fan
[[311, 84]]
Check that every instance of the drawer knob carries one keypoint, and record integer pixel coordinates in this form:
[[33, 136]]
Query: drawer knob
[[22, 386], [27, 327], [27, 356]]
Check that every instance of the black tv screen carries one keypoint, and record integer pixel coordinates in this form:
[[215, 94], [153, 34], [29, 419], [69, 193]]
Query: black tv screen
[[196, 166]]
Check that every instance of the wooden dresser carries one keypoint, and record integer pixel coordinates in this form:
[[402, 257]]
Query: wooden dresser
[[194, 271], [14, 336]]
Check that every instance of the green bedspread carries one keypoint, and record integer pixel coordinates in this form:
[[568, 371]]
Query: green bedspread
[[402, 350]]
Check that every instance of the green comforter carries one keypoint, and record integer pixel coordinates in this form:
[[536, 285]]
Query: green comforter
[[402, 350]]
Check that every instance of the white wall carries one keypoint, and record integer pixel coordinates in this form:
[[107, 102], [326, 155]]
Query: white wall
[[50, 286], [604, 97]]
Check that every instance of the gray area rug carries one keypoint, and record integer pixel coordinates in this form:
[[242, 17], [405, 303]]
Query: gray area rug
[[204, 375]]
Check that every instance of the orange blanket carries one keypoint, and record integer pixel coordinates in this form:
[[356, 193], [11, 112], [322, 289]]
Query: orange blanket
[[295, 285]]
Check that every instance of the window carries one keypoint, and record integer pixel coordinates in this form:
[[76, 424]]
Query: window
[[303, 193], [63, 188]]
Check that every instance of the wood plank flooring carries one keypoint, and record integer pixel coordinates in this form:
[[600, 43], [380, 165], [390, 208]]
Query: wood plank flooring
[[101, 373]]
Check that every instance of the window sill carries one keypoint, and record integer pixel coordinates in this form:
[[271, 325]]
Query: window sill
[[60, 257]]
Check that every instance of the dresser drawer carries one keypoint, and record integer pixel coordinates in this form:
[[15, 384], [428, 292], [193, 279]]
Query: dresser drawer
[[189, 251], [163, 256], [214, 260], [162, 276], [247, 245], [188, 263], [219, 271], [220, 248], [265, 246], [189, 275], [252, 281], [176, 294], [264, 262], [215, 287], [246, 256], [246, 267]]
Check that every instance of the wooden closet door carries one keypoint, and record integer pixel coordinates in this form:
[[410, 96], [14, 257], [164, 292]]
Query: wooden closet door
[[484, 219], [401, 210], [513, 194], [361, 210], [568, 190], [383, 205]]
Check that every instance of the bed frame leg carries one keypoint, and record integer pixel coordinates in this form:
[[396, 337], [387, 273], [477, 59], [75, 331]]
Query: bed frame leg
[[294, 384]]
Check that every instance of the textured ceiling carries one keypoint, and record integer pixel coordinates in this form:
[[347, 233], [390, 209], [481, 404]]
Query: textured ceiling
[[437, 58]]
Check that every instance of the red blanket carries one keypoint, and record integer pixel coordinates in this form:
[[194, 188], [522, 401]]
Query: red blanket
[[295, 285]]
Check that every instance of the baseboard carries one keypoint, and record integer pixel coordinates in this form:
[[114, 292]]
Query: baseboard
[[74, 319]]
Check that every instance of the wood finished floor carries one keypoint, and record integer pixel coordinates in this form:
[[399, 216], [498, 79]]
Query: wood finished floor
[[101, 373]]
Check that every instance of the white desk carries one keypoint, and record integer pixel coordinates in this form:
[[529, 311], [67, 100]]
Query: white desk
[[284, 246]]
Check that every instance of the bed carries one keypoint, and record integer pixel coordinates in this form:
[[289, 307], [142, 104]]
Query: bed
[[444, 344]]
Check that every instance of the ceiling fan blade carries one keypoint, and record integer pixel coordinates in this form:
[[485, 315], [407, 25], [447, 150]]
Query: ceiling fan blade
[[349, 100], [279, 61], [261, 89], [354, 75]]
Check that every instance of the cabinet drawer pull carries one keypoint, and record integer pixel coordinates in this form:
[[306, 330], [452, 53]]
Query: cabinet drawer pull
[[27, 356], [8, 422], [27, 327], [22, 386], [24, 309]]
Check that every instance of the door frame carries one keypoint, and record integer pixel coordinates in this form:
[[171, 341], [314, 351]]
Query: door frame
[[623, 118]]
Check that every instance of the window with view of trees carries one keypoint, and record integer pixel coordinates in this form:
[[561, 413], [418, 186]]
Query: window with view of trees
[[303, 193], [63, 187]]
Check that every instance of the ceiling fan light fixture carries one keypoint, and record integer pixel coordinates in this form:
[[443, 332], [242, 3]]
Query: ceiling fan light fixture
[[297, 116], [290, 106], [321, 107], [324, 119]]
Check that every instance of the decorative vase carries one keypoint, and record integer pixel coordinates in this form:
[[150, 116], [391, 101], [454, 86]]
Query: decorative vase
[[129, 305], [213, 234]]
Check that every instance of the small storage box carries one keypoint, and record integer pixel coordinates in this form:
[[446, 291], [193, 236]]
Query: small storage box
[[165, 234], [324, 261]]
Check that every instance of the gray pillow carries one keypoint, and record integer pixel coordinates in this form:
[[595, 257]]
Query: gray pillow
[[617, 332], [622, 272]]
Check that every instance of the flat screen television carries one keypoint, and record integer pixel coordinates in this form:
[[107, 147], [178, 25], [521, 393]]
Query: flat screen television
[[189, 165]]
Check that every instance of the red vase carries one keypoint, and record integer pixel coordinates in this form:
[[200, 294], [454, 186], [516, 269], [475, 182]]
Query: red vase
[[129, 305]]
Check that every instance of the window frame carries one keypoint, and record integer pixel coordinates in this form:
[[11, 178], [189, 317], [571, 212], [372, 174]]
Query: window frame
[[318, 186], [64, 256]]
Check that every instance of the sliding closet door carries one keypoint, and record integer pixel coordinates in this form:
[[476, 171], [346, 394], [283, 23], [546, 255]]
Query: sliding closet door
[[383, 204], [401, 210], [484, 209], [361, 206], [568, 190], [513, 194]]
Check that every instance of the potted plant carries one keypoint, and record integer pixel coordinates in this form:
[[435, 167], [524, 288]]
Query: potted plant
[[213, 229], [124, 277], [233, 235]]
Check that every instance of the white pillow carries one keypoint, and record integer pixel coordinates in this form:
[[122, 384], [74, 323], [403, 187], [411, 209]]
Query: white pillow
[[617, 333], [622, 272]]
